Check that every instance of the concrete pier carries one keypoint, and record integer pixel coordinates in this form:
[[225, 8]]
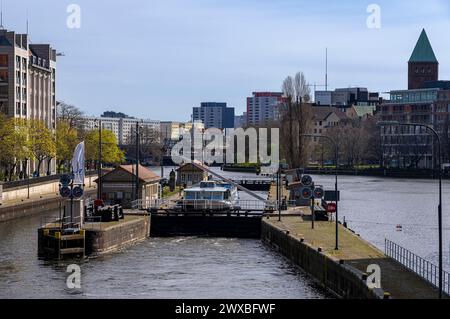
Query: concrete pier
[[102, 238], [342, 271]]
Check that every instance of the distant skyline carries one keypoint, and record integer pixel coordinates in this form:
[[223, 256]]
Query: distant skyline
[[158, 59]]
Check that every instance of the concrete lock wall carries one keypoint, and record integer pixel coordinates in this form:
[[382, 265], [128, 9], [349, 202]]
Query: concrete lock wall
[[343, 280], [33, 207], [38, 190], [114, 238]]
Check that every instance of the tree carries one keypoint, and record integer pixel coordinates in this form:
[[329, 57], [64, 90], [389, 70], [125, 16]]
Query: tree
[[150, 145], [66, 141], [70, 114], [111, 153], [42, 142], [295, 119], [14, 146]]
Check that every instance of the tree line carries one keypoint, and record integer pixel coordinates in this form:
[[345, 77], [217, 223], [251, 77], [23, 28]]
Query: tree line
[[27, 140]]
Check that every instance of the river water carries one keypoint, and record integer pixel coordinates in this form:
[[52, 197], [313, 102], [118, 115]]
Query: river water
[[156, 268], [226, 268], [373, 207]]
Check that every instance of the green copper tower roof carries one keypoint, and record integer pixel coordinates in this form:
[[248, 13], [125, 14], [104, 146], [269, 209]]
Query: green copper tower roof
[[423, 52]]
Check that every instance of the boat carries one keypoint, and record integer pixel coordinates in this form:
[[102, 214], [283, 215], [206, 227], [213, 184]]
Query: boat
[[209, 196]]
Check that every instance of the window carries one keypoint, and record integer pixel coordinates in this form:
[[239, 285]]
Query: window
[[4, 76], [18, 108], [18, 62], [24, 109], [3, 60]]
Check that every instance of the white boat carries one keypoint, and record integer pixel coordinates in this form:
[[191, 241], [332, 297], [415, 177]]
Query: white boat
[[209, 196]]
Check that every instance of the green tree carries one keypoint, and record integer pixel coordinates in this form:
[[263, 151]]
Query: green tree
[[66, 141], [42, 142], [14, 146], [111, 153]]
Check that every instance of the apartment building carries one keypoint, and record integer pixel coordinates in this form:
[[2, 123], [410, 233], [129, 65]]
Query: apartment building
[[263, 107], [123, 128], [28, 84], [214, 115]]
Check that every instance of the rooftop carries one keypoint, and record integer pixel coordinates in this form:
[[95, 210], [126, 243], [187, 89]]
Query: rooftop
[[423, 52]]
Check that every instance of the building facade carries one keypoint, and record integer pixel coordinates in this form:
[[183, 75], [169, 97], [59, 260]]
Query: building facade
[[123, 128], [264, 107], [347, 97], [427, 101], [214, 115], [28, 84]]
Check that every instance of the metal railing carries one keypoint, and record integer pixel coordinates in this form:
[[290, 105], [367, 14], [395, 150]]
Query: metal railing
[[61, 223], [201, 204], [417, 264]]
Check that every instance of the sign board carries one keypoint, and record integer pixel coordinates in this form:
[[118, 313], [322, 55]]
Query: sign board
[[306, 180], [65, 180], [318, 193], [331, 197], [65, 191], [77, 192], [306, 193]]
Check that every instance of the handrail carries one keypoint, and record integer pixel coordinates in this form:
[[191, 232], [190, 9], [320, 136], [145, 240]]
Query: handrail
[[417, 264]]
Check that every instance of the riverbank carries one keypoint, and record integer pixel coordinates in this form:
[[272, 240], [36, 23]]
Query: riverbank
[[342, 271]]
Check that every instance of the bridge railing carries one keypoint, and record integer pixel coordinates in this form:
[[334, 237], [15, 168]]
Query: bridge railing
[[417, 264]]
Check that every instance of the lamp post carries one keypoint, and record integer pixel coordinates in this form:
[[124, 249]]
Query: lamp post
[[137, 160], [99, 168], [435, 133], [336, 159]]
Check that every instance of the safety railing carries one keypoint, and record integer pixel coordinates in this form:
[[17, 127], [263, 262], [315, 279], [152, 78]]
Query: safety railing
[[418, 265], [201, 204]]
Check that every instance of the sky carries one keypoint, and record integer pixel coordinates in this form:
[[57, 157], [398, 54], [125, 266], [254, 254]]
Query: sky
[[156, 59]]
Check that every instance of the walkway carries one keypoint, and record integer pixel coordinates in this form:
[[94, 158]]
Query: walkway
[[396, 279]]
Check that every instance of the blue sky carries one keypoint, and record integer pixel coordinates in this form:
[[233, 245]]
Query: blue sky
[[159, 58]]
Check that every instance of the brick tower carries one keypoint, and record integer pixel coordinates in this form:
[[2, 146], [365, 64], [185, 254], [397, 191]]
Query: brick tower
[[423, 65]]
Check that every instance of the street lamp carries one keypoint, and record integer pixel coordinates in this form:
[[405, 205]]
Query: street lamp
[[336, 159], [99, 168], [429, 128]]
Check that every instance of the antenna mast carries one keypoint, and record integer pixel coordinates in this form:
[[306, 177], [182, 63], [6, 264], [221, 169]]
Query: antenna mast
[[326, 69], [1, 15]]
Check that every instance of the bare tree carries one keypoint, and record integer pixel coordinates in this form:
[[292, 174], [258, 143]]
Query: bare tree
[[295, 119], [70, 114]]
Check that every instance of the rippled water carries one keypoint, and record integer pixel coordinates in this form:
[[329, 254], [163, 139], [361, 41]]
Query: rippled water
[[373, 207], [156, 268]]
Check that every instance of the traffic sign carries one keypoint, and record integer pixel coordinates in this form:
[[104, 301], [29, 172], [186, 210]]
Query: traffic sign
[[306, 193], [77, 192], [306, 180], [65, 191], [65, 180], [318, 193]]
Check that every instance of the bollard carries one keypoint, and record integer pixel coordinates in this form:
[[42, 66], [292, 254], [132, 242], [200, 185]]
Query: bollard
[[287, 232], [319, 249], [302, 240]]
